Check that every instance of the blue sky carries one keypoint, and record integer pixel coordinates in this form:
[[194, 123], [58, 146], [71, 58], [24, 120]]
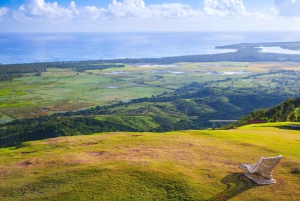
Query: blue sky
[[251, 4], [149, 15], [104, 3]]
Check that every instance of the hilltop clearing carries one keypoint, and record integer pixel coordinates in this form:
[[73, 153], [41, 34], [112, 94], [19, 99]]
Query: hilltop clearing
[[182, 165]]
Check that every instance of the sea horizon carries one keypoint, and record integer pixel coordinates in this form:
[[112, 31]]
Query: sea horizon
[[30, 47]]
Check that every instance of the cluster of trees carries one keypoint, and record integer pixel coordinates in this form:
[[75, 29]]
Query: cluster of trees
[[8, 78], [10, 71], [18, 131], [288, 110]]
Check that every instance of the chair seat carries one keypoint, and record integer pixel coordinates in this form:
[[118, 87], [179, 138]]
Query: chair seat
[[261, 172], [259, 179]]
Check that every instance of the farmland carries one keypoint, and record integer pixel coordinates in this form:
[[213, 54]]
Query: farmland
[[60, 90]]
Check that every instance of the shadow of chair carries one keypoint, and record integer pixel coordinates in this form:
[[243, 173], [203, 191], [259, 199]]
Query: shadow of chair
[[236, 184]]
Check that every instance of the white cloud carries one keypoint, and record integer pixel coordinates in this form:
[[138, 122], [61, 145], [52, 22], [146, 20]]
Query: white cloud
[[93, 12], [73, 8], [40, 8], [3, 11], [129, 8], [174, 10], [89, 12], [288, 7], [224, 7], [36, 9], [138, 9]]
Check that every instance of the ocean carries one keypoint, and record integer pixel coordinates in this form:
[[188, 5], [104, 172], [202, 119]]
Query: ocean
[[48, 47]]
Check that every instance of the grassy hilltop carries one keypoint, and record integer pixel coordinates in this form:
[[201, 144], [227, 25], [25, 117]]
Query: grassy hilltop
[[180, 165]]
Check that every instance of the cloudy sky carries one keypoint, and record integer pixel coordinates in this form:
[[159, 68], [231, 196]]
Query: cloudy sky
[[149, 15]]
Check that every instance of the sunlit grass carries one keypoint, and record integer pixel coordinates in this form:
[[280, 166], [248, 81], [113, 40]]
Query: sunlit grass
[[183, 165]]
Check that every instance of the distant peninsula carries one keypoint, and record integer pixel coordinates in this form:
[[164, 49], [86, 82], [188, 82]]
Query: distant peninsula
[[255, 47], [245, 52]]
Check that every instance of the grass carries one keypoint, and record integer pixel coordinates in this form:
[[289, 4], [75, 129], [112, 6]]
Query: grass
[[183, 165], [66, 90]]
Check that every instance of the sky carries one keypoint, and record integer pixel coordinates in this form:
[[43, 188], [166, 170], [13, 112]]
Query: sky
[[148, 15]]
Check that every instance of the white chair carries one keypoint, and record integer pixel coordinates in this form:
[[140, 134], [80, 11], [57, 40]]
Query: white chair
[[261, 172]]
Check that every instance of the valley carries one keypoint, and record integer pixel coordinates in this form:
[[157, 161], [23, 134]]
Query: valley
[[61, 90]]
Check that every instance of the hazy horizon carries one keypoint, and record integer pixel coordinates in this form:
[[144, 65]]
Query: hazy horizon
[[50, 47]]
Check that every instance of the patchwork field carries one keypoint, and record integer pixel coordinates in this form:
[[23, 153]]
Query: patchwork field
[[182, 165], [59, 90]]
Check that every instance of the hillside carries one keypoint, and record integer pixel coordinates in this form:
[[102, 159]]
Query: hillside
[[182, 165], [189, 107], [288, 110]]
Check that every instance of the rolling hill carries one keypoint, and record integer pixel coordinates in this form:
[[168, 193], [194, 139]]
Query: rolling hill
[[179, 165]]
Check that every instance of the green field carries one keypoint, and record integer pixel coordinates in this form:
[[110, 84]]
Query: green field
[[60, 90], [181, 165]]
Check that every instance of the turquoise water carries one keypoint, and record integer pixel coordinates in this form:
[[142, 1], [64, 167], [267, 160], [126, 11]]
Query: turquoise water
[[278, 50]]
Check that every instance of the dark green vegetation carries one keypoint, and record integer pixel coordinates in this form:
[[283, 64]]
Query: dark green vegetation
[[289, 111], [10, 71], [41, 67], [178, 165]]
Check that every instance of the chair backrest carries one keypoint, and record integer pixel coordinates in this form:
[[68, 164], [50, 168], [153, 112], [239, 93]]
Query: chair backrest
[[266, 165]]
